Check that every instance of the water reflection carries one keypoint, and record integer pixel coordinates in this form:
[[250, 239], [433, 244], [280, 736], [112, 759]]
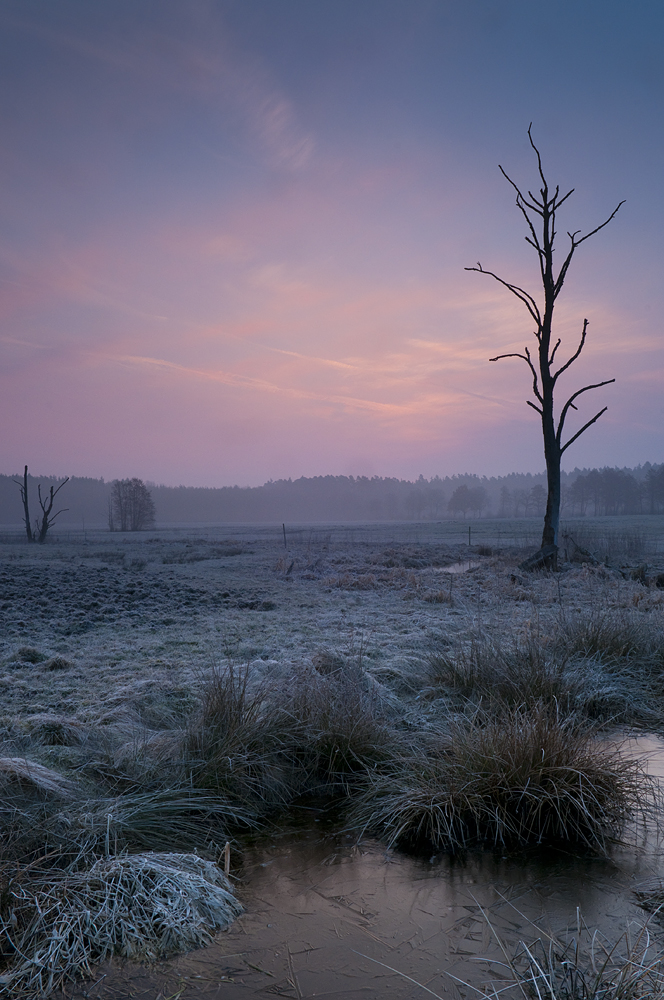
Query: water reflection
[[458, 567]]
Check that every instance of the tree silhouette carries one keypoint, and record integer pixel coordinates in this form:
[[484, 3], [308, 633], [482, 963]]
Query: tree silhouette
[[47, 518], [540, 216], [468, 498], [131, 507]]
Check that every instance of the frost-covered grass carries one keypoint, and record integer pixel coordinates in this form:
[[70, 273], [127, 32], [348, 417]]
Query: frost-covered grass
[[173, 692], [579, 964], [57, 924]]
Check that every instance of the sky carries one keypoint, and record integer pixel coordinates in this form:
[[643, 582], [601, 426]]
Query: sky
[[233, 234]]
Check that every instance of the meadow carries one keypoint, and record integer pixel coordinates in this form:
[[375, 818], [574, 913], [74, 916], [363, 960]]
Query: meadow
[[171, 697]]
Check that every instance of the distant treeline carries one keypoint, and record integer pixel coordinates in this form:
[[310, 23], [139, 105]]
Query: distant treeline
[[357, 498]]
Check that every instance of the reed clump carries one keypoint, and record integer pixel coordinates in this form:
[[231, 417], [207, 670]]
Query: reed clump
[[524, 777]]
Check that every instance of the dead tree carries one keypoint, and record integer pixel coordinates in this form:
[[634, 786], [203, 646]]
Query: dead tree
[[46, 520], [540, 216], [23, 487]]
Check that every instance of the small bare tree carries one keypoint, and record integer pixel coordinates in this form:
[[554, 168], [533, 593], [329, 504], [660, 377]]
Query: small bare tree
[[540, 216], [46, 520], [131, 507]]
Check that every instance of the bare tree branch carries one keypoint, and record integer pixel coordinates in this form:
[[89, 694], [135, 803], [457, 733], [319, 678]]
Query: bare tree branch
[[527, 358], [570, 403], [564, 198], [523, 296], [584, 428], [537, 153], [553, 352], [597, 229], [562, 274], [575, 355], [534, 205]]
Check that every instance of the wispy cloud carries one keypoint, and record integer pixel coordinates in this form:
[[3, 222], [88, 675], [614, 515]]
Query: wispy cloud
[[200, 59], [347, 402]]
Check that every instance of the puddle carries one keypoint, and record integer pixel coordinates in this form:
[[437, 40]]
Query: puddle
[[459, 567], [328, 918]]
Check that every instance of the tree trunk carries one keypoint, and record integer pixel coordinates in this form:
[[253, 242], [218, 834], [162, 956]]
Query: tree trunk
[[26, 509], [552, 516]]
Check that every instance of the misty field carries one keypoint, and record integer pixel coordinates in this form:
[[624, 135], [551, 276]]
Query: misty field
[[169, 693]]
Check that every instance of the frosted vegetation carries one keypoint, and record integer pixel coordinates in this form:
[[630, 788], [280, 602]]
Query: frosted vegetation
[[171, 692]]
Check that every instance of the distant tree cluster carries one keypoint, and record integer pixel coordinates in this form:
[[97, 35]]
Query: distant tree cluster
[[333, 499], [653, 489], [468, 500], [522, 503], [131, 507], [603, 492]]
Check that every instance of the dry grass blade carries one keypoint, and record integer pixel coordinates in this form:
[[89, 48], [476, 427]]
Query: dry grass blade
[[138, 906], [578, 965]]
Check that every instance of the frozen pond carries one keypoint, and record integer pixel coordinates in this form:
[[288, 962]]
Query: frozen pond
[[326, 917]]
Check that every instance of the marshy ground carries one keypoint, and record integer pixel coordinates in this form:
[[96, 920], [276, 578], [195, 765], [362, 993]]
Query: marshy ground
[[395, 731]]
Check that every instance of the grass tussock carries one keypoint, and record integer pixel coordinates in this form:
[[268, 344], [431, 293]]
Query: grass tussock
[[140, 906], [262, 745], [239, 744], [525, 672], [340, 724], [613, 636], [527, 777]]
